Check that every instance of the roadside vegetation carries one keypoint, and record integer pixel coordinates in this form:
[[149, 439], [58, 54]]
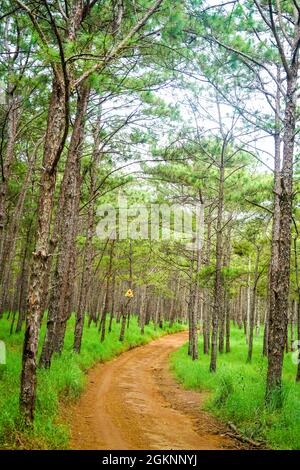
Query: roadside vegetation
[[62, 384], [237, 391]]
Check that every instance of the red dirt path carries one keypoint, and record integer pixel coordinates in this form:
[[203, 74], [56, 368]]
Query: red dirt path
[[133, 402]]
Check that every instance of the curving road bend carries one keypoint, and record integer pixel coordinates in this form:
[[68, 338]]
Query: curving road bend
[[133, 402]]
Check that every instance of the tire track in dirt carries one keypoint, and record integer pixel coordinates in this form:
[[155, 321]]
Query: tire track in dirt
[[133, 402]]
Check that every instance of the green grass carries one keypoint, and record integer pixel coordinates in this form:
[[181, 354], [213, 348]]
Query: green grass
[[238, 390], [63, 383]]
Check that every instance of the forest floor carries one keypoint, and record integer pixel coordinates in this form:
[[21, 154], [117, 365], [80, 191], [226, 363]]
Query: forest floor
[[133, 402]]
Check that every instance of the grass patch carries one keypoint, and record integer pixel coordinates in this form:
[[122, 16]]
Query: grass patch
[[64, 382], [238, 391]]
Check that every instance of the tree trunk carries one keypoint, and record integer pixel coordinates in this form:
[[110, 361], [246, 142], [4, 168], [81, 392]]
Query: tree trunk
[[252, 306], [257, 317], [143, 308], [218, 296], [106, 303], [54, 141], [240, 309], [124, 310], [249, 303], [281, 245], [195, 308], [24, 273], [227, 326], [112, 307], [298, 334], [191, 302], [66, 229], [13, 117], [207, 299], [223, 320]]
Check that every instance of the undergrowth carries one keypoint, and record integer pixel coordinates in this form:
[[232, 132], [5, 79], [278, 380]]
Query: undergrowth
[[238, 391], [63, 383]]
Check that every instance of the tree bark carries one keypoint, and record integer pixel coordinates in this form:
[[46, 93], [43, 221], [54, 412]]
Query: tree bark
[[280, 257], [207, 300], [13, 117], [252, 306], [54, 141], [218, 296], [106, 303], [66, 229]]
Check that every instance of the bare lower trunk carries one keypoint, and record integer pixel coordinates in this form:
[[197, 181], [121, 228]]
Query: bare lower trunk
[[206, 322], [124, 313], [280, 258], [53, 147], [207, 297], [257, 317], [12, 125], [249, 303], [252, 306], [224, 324], [298, 334], [66, 224], [143, 308], [195, 309], [24, 282], [240, 309], [266, 335], [107, 292], [112, 307], [191, 302], [218, 288], [227, 310], [293, 316]]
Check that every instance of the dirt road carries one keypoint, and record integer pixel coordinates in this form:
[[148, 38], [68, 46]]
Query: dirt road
[[133, 402]]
